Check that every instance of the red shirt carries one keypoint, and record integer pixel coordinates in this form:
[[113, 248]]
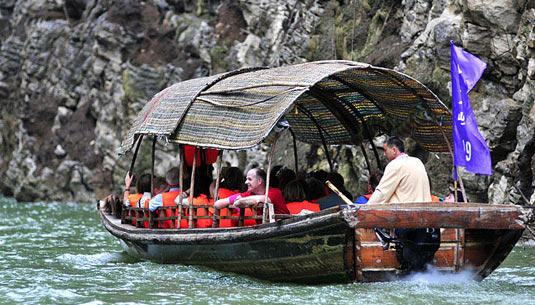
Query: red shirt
[[274, 194], [297, 207]]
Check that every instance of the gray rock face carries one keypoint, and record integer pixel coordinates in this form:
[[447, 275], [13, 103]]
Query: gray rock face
[[73, 75]]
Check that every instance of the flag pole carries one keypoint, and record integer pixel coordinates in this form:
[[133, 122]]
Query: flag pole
[[461, 185], [452, 161]]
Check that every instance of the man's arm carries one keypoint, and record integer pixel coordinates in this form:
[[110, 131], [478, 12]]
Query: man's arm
[[244, 202], [388, 184], [155, 202], [222, 203]]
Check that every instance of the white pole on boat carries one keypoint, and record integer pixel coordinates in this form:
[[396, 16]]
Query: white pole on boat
[[191, 189], [152, 167], [462, 186], [453, 162], [268, 174], [182, 159], [215, 221]]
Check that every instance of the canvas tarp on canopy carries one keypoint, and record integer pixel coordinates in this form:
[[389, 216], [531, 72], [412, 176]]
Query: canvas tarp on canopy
[[336, 102]]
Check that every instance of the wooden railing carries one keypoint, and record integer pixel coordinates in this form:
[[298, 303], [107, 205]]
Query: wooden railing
[[188, 215]]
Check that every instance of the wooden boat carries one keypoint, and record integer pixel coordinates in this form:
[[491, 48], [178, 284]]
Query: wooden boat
[[331, 102]]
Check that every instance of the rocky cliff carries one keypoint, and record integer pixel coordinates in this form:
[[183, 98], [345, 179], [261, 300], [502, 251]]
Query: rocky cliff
[[74, 73]]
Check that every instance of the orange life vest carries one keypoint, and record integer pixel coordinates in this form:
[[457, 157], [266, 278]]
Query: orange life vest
[[201, 223], [146, 214], [169, 201], [435, 198], [134, 199], [224, 193], [367, 196], [297, 207]]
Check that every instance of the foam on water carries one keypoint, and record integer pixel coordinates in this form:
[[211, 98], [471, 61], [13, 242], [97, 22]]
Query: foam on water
[[87, 261], [434, 276]]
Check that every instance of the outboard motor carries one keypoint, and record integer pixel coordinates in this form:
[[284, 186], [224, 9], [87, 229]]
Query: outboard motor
[[416, 248]]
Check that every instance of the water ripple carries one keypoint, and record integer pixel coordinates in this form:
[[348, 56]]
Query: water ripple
[[55, 253]]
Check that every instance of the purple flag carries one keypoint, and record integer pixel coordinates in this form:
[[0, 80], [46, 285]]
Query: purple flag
[[469, 148]]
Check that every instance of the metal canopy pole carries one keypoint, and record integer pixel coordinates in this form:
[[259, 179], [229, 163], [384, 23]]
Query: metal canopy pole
[[131, 170], [295, 150], [351, 118], [311, 117], [366, 158], [340, 114]]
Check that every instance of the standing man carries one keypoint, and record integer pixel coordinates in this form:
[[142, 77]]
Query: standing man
[[405, 178]]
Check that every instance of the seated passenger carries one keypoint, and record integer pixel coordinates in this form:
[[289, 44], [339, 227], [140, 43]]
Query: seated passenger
[[198, 199], [316, 190], [295, 196], [273, 180], [373, 181], [285, 175], [160, 185], [256, 189], [451, 196], [433, 197], [231, 183], [142, 192], [167, 198], [321, 175], [333, 199]]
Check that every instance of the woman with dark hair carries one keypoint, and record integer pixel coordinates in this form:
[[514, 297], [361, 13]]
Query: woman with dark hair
[[143, 192], [143, 185], [285, 175], [232, 180], [295, 196], [316, 189], [231, 183], [273, 179]]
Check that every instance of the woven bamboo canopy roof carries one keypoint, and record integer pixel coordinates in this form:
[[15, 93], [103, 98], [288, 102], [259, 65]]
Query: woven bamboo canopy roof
[[332, 102]]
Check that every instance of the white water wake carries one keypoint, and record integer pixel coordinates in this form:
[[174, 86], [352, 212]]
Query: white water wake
[[434, 276]]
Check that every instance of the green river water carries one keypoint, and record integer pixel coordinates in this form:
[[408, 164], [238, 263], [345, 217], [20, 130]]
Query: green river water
[[59, 253]]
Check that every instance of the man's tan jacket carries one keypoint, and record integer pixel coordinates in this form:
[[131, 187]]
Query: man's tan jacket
[[404, 180]]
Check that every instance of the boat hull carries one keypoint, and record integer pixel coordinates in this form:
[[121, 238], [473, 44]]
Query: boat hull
[[332, 246]]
